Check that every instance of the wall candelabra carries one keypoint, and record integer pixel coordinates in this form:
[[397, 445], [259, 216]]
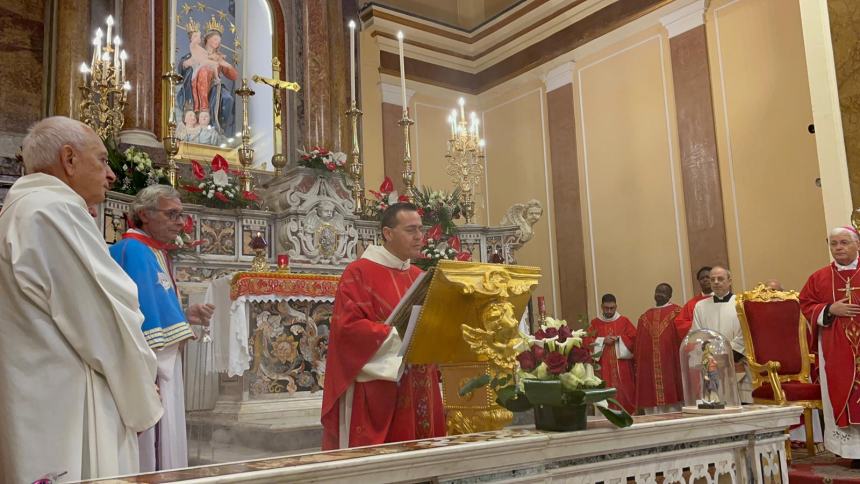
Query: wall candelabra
[[465, 158]]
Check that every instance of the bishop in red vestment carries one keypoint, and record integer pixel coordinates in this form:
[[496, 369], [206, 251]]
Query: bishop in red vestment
[[614, 337], [831, 300], [370, 396], [658, 368], [684, 321]]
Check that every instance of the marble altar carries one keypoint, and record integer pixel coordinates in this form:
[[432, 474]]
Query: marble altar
[[743, 447]]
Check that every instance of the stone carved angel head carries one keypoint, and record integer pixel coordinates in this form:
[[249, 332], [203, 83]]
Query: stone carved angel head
[[524, 216]]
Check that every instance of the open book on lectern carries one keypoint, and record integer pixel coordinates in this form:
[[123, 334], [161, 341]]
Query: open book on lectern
[[429, 317]]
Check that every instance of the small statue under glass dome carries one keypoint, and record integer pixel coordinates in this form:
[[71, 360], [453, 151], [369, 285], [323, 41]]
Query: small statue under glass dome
[[708, 373]]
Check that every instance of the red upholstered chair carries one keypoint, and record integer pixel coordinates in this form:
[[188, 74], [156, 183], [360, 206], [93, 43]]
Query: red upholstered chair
[[777, 350]]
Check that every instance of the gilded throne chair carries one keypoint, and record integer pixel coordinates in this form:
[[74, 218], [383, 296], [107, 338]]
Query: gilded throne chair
[[777, 350]]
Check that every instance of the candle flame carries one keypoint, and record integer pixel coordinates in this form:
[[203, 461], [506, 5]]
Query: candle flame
[[352, 24], [123, 55], [461, 102], [84, 68], [110, 20], [399, 35]]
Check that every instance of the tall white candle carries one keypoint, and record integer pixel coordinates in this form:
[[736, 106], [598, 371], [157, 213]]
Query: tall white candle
[[352, 61], [462, 103], [402, 71], [84, 70], [122, 57], [110, 27], [116, 42], [98, 43]]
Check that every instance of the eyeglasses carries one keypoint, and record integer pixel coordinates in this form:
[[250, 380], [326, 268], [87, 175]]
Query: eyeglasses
[[173, 215]]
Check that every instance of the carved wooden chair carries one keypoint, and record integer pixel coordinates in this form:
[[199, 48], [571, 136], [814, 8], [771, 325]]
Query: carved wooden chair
[[777, 350]]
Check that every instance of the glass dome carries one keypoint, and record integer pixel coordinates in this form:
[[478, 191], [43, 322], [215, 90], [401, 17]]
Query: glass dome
[[708, 373]]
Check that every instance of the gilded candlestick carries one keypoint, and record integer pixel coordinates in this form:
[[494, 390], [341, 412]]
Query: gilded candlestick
[[356, 166], [171, 142], [408, 173], [246, 153]]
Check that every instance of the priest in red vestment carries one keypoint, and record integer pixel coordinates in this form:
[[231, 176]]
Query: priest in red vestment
[[613, 337], [831, 300], [370, 396], [684, 321], [658, 368]]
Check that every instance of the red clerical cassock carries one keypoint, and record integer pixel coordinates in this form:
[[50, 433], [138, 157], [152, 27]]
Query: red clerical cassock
[[615, 338], [829, 300], [658, 372], [363, 402], [840, 340], [684, 320]]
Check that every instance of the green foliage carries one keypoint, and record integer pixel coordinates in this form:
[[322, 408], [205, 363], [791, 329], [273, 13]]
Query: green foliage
[[133, 168]]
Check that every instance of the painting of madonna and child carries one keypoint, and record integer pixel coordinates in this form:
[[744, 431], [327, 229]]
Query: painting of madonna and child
[[207, 57]]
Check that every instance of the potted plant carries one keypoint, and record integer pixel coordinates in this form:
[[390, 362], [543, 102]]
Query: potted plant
[[556, 378]]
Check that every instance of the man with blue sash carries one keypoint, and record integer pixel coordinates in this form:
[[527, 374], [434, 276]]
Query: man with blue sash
[[157, 218]]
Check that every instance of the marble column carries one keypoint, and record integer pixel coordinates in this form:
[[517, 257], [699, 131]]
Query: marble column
[[74, 41], [703, 199], [138, 36], [393, 145], [561, 127], [324, 83]]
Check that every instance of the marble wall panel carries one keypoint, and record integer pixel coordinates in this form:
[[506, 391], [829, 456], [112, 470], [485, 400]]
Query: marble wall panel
[[22, 35], [844, 32], [220, 236]]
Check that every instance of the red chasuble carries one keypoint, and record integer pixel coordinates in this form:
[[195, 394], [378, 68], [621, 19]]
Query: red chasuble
[[840, 341], [684, 321], [658, 369], [617, 373], [382, 411]]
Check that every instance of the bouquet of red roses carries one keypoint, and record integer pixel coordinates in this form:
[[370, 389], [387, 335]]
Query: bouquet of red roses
[[219, 188]]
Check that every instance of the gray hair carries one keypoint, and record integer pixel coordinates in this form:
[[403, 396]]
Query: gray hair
[[844, 231], [148, 199], [46, 138]]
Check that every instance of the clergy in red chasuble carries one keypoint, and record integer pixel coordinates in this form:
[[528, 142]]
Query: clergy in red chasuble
[[370, 396], [658, 369], [613, 337], [685, 318], [831, 300]]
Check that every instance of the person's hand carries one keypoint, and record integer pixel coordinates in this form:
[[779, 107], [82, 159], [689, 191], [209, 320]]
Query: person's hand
[[200, 314], [842, 308], [610, 339]]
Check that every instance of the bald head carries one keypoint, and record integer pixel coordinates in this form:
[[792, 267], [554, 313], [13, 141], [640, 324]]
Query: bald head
[[721, 281], [773, 284], [72, 152]]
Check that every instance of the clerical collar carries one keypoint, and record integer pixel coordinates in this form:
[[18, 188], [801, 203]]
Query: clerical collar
[[849, 267], [724, 299], [613, 318], [381, 255]]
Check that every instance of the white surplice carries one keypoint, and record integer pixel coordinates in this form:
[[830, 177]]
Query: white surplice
[[77, 378], [723, 318]]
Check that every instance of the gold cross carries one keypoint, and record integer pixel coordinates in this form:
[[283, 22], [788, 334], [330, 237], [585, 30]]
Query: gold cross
[[275, 82], [848, 289]]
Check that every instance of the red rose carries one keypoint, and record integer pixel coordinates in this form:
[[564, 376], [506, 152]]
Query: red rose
[[556, 363], [579, 355], [464, 256], [197, 170], [219, 163], [222, 197], [539, 352], [527, 360], [250, 196], [387, 186], [551, 332], [540, 334], [564, 332], [403, 199]]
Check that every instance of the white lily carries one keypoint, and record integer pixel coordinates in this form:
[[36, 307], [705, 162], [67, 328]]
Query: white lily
[[554, 323]]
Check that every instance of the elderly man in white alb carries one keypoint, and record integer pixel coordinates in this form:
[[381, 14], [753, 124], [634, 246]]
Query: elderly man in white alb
[[77, 377], [720, 314]]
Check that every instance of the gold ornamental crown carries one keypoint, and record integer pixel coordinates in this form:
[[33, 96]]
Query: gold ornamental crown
[[192, 26], [214, 25]]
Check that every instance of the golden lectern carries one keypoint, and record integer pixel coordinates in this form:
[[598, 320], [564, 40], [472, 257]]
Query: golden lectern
[[467, 324]]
